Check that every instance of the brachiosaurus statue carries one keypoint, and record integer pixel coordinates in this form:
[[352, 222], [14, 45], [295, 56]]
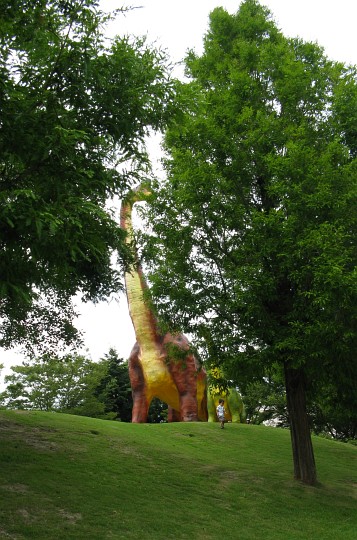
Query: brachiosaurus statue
[[180, 383]]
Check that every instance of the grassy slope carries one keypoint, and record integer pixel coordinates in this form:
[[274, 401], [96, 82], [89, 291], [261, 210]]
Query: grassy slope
[[68, 477]]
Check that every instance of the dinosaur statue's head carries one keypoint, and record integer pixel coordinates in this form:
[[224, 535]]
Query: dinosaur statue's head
[[137, 194]]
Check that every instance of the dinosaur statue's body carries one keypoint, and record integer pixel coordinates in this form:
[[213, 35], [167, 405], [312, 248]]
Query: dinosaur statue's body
[[179, 383]]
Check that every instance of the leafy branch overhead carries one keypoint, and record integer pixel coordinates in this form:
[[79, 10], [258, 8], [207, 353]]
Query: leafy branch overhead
[[75, 109]]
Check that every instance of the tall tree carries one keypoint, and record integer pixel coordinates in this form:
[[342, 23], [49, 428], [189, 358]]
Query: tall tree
[[254, 245], [74, 112]]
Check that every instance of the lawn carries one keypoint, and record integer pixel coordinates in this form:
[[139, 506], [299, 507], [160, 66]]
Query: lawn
[[69, 477]]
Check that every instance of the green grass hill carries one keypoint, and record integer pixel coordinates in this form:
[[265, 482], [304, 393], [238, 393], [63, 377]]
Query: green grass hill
[[69, 477]]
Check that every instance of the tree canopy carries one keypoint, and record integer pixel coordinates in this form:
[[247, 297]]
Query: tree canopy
[[50, 383], [74, 112], [72, 384], [254, 248]]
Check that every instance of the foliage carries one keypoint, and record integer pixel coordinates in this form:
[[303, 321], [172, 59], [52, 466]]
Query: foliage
[[51, 383], [254, 249], [265, 401], [75, 109], [113, 389], [329, 416], [158, 411]]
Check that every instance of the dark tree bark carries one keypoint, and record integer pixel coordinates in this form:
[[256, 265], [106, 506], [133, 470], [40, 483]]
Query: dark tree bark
[[303, 453]]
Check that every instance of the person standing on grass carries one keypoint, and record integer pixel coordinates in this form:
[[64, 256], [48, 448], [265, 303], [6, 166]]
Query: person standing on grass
[[221, 412]]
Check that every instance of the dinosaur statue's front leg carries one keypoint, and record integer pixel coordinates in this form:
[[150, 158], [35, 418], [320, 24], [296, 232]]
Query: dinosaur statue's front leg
[[140, 410], [141, 402]]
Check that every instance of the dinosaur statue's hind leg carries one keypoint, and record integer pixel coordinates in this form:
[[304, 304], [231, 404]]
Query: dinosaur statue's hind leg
[[185, 377], [139, 391]]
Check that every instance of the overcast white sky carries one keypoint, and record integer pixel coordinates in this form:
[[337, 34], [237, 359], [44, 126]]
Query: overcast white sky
[[179, 25]]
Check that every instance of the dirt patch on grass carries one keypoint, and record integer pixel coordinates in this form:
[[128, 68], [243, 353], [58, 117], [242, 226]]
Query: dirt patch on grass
[[69, 517], [25, 515], [229, 475], [354, 488], [124, 448], [4, 534], [7, 424], [31, 436], [15, 488]]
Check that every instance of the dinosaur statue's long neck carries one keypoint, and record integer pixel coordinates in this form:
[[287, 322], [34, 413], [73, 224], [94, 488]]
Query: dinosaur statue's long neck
[[144, 322], [178, 385]]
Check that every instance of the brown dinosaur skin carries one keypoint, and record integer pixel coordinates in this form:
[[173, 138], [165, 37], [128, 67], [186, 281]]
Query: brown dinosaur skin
[[179, 383]]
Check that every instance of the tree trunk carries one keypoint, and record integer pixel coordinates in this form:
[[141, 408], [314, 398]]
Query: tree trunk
[[303, 453]]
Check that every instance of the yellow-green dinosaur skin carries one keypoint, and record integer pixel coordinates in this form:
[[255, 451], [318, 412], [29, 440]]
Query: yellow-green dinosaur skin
[[233, 403], [180, 384]]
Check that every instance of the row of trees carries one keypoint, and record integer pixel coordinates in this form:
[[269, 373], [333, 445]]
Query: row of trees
[[265, 401], [253, 248], [74, 384]]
